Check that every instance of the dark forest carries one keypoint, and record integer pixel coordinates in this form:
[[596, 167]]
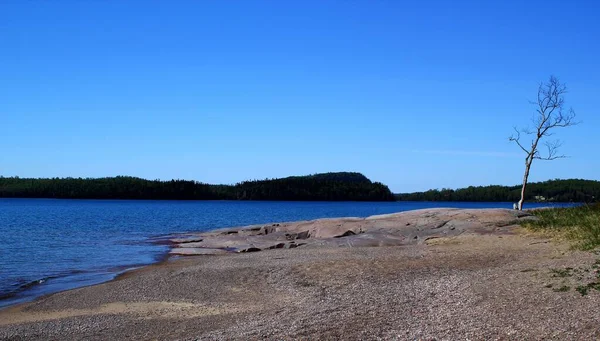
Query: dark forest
[[341, 186]]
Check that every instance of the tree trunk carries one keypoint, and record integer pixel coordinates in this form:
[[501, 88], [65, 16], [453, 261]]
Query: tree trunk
[[525, 177]]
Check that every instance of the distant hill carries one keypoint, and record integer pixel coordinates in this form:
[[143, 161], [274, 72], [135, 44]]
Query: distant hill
[[571, 190], [326, 186], [342, 186]]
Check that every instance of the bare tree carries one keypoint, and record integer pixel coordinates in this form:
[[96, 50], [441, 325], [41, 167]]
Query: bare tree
[[550, 114]]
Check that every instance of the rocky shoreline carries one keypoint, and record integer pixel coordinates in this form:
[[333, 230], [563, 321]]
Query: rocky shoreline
[[440, 274], [404, 228]]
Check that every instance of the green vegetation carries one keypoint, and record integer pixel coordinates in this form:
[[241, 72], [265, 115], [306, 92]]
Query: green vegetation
[[583, 289], [342, 186], [583, 279], [566, 272], [579, 224], [573, 190]]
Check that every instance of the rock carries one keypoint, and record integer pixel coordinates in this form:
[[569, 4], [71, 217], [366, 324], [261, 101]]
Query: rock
[[299, 235], [268, 229], [346, 234], [188, 251], [411, 227], [190, 245], [303, 235], [186, 240], [250, 249]]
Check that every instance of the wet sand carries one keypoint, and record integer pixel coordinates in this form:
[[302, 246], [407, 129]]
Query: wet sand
[[496, 283]]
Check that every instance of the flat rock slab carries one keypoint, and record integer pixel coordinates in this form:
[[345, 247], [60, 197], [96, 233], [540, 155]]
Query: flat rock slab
[[185, 240], [196, 251], [404, 228]]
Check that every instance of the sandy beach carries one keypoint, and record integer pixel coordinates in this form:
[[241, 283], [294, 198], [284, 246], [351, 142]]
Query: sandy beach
[[477, 276]]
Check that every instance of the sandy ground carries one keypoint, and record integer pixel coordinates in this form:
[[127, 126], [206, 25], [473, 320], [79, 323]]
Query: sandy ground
[[476, 287]]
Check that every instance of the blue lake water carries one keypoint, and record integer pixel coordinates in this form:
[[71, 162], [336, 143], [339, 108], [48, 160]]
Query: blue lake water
[[50, 245]]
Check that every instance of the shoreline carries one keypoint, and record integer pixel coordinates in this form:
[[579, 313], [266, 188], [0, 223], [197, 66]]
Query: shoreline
[[109, 274], [97, 277], [175, 241], [480, 277], [493, 281]]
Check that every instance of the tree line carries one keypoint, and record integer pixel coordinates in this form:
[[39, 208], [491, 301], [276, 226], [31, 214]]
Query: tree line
[[572, 190], [343, 186]]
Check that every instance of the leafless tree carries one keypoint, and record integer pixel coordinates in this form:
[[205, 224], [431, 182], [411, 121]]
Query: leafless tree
[[550, 114]]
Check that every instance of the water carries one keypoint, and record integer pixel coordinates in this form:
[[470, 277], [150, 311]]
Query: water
[[51, 245]]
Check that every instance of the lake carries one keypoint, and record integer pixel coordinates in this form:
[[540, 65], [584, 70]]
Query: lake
[[49, 245]]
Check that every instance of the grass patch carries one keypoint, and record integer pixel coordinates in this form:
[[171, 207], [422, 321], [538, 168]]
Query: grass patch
[[566, 272], [580, 225], [582, 289], [583, 279]]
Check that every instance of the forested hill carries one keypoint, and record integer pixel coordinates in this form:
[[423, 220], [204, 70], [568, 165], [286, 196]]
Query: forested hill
[[326, 186], [342, 186], [572, 190]]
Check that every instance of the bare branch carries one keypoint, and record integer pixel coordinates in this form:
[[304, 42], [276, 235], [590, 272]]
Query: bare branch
[[527, 131], [552, 147], [516, 139], [558, 121]]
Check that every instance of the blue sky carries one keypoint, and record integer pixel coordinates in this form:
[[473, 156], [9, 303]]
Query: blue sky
[[415, 94]]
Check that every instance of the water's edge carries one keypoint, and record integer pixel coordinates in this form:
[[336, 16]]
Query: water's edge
[[51, 285], [42, 287]]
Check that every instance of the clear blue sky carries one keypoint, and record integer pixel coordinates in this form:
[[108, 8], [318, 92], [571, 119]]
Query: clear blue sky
[[415, 94]]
